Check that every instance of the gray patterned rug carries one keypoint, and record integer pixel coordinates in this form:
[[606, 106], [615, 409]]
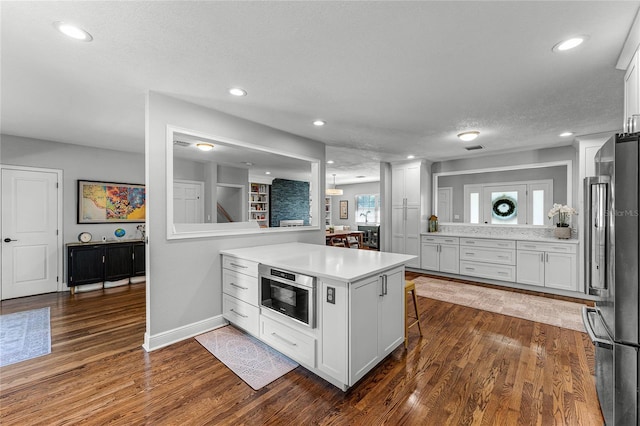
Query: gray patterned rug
[[253, 361], [24, 335], [526, 306]]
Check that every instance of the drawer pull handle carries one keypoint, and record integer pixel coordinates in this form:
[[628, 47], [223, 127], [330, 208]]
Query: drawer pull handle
[[470, 254], [470, 269], [238, 313], [238, 266], [471, 242], [283, 339], [448, 241], [503, 244], [503, 257], [502, 273], [528, 245], [239, 286]]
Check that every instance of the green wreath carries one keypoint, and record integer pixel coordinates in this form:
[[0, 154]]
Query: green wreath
[[504, 207]]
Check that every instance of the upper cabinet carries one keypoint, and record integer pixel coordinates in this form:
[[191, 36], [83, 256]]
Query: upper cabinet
[[632, 97], [405, 184]]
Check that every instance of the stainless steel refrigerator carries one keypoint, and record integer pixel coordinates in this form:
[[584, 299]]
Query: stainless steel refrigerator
[[611, 273]]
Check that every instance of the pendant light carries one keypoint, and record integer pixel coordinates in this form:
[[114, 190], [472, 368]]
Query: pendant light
[[334, 191]]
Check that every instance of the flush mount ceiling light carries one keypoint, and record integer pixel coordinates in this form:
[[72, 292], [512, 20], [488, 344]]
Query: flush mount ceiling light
[[334, 191], [410, 157], [565, 134], [204, 146], [267, 173], [236, 91], [330, 161], [72, 31], [319, 123], [469, 136], [569, 44]]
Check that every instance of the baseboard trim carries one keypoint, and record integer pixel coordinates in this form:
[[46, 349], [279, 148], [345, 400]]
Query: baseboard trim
[[166, 338]]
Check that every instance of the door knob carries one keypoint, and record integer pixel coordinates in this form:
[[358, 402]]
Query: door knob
[[8, 240]]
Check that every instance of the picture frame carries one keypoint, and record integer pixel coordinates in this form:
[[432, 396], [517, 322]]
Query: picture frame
[[344, 209], [110, 202]]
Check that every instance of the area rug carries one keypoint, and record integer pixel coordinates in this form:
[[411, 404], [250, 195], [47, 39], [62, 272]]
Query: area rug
[[534, 308], [250, 359], [24, 335]]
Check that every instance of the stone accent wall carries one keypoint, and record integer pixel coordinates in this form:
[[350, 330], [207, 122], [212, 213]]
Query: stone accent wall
[[289, 201]]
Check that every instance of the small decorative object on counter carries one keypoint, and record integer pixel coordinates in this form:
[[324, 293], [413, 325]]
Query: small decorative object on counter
[[563, 228], [433, 223], [120, 232]]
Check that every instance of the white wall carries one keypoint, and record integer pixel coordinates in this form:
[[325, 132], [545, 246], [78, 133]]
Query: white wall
[[77, 162], [349, 194], [184, 276]]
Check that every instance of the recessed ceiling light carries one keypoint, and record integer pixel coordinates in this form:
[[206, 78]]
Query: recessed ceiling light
[[319, 123], [236, 91], [267, 173], [469, 136], [72, 31], [204, 146], [410, 157], [330, 161], [248, 163], [565, 134], [569, 44]]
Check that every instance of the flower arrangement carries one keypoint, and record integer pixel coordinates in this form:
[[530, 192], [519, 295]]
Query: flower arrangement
[[564, 214]]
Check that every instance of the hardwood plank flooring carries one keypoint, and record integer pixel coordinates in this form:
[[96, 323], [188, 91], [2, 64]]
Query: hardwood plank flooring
[[471, 367]]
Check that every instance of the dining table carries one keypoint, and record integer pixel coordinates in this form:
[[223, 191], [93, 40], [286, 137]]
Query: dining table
[[344, 236]]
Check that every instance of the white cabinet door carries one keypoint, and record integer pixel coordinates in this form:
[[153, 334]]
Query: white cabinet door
[[397, 185], [412, 184], [560, 271], [412, 235], [530, 267], [397, 230], [363, 324], [631, 87], [449, 258], [391, 313], [429, 257], [333, 353]]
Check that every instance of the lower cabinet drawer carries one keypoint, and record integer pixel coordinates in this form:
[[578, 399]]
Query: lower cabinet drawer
[[488, 270], [240, 286], [241, 314], [506, 257], [294, 344]]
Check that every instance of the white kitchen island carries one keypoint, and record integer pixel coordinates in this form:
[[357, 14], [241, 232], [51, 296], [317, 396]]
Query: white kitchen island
[[359, 306]]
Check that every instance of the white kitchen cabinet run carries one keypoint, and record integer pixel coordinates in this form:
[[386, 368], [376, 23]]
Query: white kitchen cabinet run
[[632, 94], [547, 264], [440, 254]]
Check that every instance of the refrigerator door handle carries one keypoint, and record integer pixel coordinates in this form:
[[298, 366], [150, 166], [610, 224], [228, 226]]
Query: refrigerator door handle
[[596, 192], [606, 344]]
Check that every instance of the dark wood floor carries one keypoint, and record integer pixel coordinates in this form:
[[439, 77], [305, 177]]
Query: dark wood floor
[[471, 367]]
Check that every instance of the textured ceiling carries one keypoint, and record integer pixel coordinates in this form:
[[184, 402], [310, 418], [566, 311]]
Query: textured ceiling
[[390, 78]]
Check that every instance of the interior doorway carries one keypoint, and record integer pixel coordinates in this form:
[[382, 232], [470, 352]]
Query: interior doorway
[[31, 231], [232, 203]]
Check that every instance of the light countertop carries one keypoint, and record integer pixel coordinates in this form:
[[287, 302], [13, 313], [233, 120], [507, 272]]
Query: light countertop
[[531, 238], [339, 263]]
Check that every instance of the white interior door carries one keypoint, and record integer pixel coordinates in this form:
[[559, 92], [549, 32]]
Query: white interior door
[[188, 205], [30, 241], [445, 204]]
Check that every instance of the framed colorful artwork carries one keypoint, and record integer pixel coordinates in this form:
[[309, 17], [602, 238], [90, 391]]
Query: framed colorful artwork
[[110, 202]]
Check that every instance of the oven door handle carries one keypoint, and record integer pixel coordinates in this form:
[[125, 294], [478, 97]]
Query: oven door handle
[[597, 341]]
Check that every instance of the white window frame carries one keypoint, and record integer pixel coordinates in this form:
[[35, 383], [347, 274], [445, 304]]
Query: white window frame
[[376, 212]]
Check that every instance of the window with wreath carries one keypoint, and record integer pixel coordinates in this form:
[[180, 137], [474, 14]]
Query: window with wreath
[[368, 208]]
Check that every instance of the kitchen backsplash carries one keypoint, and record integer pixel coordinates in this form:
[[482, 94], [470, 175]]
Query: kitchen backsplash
[[502, 231]]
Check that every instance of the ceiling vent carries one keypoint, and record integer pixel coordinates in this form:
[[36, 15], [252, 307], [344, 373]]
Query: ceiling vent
[[182, 144], [474, 147]]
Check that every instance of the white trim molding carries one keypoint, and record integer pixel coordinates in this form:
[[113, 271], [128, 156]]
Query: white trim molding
[[166, 338]]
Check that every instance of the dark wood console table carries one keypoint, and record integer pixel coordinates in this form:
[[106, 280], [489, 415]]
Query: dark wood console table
[[95, 262]]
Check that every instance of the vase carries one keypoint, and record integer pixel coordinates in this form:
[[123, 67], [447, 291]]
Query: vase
[[562, 232]]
